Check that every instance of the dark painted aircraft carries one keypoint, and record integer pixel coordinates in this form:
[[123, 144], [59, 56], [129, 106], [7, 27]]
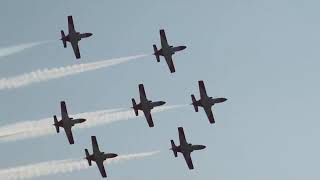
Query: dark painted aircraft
[[166, 51], [145, 105], [73, 37], [185, 148], [98, 156], [66, 122], [205, 102]]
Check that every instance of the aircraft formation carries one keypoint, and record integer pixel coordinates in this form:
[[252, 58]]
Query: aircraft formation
[[145, 105]]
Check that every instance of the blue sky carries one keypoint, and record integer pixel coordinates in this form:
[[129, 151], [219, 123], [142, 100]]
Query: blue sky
[[261, 55]]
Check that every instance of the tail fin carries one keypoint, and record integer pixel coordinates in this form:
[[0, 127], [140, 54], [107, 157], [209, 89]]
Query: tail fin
[[134, 104], [56, 123], [156, 53], [174, 149], [194, 101], [63, 39], [88, 157]]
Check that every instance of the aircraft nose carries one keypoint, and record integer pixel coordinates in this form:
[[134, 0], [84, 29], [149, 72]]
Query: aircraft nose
[[224, 99], [183, 47], [202, 147], [162, 102], [112, 155], [90, 34]]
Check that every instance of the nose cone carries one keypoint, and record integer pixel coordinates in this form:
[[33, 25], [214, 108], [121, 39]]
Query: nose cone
[[220, 100], [112, 155], [183, 47], [224, 99], [85, 35], [202, 147], [82, 120], [162, 103]]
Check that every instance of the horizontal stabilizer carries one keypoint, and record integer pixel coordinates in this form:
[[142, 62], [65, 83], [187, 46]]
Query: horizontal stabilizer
[[134, 106], [63, 39], [156, 53], [88, 157], [56, 123], [173, 148], [194, 103]]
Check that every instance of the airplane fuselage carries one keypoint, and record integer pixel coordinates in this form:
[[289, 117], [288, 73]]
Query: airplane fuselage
[[75, 37], [167, 50], [146, 105], [68, 123], [208, 102], [188, 148], [101, 156]]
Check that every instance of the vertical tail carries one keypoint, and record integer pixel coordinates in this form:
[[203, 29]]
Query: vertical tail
[[88, 157], [156, 53], [134, 106], [56, 123], [174, 149], [63, 39], [194, 103]]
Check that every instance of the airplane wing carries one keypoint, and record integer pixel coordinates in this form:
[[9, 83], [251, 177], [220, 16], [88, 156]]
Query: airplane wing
[[70, 24], [187, 157], [76, 50], [169, 61], [148, 116], [209, 114], [95, 146], [202, 89], [101, 168], [69, 135], [64, 112], [182, 137], [142, 93], [163, 39]]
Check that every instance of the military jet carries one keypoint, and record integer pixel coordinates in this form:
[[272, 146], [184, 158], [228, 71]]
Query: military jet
[[66, 122], [145, 105], [73, 37], [185, 148], [205, 102], [166, 51], [98, 156]]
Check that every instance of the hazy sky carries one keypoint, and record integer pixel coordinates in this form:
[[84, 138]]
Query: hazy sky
[[261, 55]]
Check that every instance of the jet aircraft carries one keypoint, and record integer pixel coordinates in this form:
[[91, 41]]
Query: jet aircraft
[[145, 105], [166, 51], [205, 102], [98, 156], [66, 122], [73, 37], [185, 148]]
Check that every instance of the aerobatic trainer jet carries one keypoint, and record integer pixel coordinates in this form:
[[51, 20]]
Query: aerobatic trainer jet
[[66, 122], [145, 105], [73, 37], [166, 51], [205, 102], [185, 148], [98, 156]]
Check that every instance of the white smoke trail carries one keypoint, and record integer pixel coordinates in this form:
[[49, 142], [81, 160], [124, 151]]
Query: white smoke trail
[[55, 73], [18, 48], [61, 166], [44, 127]]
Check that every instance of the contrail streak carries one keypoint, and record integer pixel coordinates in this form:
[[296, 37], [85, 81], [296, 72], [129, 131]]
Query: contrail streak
[[43, 127], [18, 48], [62, 166], [55, 73]]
